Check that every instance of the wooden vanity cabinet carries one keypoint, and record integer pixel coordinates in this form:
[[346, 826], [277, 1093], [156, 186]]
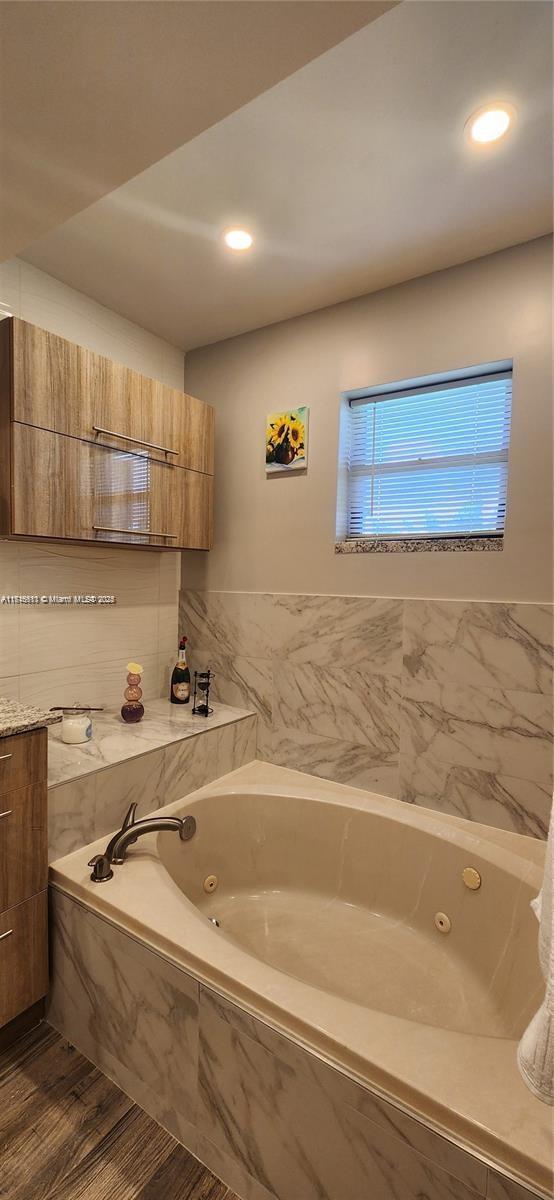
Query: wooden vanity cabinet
[[23, 873], [90, 444]]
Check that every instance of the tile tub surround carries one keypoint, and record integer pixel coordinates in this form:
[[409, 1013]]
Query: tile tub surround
[[271, 1118], [163, 758], [115, 742], [446, 704], [465, 1086]]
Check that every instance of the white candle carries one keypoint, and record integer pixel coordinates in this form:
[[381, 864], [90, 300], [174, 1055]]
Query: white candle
[[76, 726]]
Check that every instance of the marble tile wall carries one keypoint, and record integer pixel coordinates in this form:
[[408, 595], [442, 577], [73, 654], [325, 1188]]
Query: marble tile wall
[[84, 809], [267, 1116], [54, 656], [447, 704]]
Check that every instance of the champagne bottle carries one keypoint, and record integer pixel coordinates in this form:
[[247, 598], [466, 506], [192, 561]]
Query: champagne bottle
[[180, 678]]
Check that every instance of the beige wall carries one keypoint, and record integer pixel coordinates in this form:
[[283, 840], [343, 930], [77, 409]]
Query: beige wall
[[277, 534], [57, 655]]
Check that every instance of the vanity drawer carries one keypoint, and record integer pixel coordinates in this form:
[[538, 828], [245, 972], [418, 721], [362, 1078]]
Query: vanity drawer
[[23, 844], [23, 956], [22, 760]]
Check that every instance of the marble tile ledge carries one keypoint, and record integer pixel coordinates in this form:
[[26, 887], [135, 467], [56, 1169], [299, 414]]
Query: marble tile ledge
[[115, 742]]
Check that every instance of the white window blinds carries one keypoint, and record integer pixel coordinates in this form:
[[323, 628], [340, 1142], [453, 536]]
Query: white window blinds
[[430, 461]]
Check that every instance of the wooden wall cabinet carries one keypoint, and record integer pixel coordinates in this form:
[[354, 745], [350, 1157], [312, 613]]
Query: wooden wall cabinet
[[107, 495], [92, 451], [23, 873]]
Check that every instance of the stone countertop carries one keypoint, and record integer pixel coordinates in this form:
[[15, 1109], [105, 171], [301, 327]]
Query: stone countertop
[[18, 718], [114, 742]]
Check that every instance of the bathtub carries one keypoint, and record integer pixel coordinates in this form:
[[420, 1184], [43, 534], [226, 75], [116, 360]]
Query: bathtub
[[345, 923]]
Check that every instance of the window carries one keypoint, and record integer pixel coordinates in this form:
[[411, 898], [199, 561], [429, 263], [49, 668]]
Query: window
[[429, 460]]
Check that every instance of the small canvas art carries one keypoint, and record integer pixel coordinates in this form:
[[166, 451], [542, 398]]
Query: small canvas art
[[286, 440]]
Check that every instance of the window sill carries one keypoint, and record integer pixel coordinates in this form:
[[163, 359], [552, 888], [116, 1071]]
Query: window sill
[[417, 545]]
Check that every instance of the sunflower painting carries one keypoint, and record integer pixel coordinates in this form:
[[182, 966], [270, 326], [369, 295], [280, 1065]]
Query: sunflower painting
[[286, 441]]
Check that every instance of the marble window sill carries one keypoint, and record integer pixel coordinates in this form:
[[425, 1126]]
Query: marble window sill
[[417, 545]]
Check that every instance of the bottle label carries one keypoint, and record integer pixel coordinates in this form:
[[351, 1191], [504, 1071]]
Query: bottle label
[[181, 691]]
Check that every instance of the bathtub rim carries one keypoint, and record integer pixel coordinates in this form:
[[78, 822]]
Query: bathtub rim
[[521, 855]]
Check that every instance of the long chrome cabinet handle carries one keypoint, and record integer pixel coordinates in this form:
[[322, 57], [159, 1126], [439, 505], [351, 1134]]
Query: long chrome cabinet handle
[[7, 813], [141, 532], [4, 756], [126, 437], [6, 934]]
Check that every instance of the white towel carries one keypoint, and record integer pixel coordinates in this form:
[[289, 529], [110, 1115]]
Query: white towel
[[535, 1054]]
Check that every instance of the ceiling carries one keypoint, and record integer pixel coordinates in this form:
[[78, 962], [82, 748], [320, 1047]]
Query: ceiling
[[91, 94], [353, 174]]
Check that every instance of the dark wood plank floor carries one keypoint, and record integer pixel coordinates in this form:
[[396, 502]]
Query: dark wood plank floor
[[68, 1133]]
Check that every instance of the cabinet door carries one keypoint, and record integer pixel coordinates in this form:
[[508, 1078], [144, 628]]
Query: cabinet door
[[67, 488], [22, 760], [52, 487], [116, 405], [50, 381], [178, 508], [198, 434], [186, 499], [71, 390], [23, 844], [68, 389], [23, 956], [183, 424]]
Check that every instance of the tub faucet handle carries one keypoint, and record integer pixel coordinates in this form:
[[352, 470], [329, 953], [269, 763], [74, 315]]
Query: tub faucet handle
[[101, 868], [129, 821], [129, 817]]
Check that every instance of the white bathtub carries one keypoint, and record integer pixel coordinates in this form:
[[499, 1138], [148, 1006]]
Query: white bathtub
[[330, 904]]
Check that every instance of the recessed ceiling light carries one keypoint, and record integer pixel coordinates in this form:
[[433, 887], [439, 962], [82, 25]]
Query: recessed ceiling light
[[490, 123], [238, 239]]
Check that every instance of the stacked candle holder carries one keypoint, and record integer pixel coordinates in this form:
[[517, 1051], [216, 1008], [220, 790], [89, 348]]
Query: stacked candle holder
[[132, 710]]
